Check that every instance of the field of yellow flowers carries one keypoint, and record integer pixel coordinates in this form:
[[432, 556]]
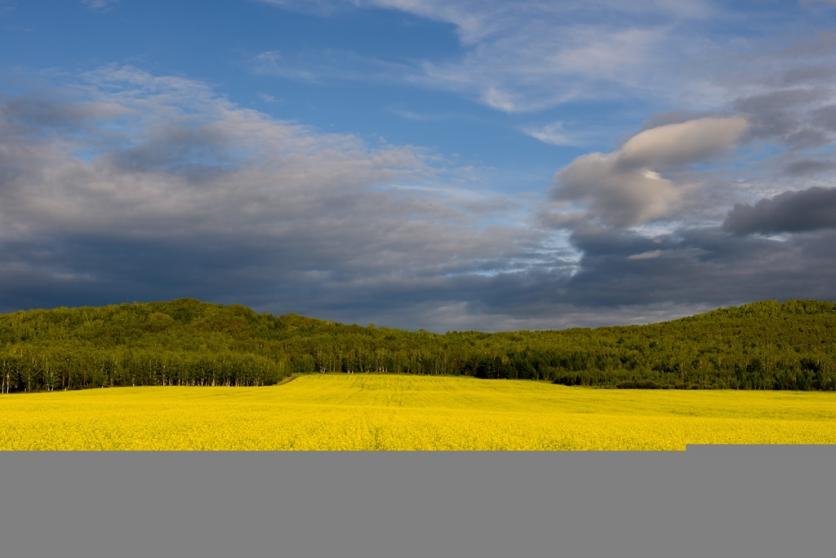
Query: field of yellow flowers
[[392, 412]]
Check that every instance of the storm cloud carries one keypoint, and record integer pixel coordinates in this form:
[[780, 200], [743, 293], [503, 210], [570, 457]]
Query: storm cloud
[[807, 210], [806, 167]]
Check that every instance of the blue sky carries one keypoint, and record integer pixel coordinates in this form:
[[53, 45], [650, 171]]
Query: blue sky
[[418, 163], [242, 48]]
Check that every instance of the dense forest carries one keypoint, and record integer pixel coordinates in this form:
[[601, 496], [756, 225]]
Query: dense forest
[[765, 345]]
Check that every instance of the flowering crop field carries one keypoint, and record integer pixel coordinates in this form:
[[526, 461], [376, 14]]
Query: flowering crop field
[[397, 412]]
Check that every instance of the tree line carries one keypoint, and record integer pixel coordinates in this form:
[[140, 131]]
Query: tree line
[[765, 345]]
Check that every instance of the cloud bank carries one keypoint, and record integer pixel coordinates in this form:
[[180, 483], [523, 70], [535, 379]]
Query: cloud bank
[[124, 185], [135, 185]]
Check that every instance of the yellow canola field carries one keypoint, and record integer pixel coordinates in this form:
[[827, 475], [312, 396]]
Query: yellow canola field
[[391, 412]]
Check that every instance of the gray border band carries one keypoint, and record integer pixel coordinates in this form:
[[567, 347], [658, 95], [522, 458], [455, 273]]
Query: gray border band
[[711, 501]]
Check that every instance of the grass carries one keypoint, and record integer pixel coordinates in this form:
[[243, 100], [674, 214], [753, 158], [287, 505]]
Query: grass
[[390, 412]]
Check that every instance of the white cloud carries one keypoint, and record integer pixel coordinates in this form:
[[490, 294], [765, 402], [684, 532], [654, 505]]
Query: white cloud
[[683, 142], [649, 255], [616, 196], [99, 5], [498, 99], [625, 188], [553, 133]]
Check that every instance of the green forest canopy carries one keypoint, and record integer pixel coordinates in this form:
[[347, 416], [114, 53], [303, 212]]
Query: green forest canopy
[[764, 345]]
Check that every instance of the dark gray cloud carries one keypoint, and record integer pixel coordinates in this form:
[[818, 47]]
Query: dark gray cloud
[[786, 115], [826, 117], [806, 74], [621, 278], [626, 277], [704, 266], [806, 210], [807, 167], [785, 90], [44, 114]]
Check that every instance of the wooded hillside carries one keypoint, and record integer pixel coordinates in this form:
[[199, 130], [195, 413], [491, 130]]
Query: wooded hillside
[[765, 345]]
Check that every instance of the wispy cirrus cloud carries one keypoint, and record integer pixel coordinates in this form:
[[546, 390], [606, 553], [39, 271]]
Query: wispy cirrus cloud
[[99, 5], [325, 65], [528, 56], [553, 133]]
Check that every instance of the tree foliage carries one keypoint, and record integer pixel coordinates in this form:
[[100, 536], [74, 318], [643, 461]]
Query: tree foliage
[[765, 345]]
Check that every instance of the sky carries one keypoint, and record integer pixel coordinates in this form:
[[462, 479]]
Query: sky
[[435, 164]]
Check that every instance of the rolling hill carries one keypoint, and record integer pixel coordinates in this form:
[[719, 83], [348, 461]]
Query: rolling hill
[[764, 345]]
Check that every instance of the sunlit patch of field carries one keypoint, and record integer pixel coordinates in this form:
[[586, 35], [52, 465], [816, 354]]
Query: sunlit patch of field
[[389, 412]]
